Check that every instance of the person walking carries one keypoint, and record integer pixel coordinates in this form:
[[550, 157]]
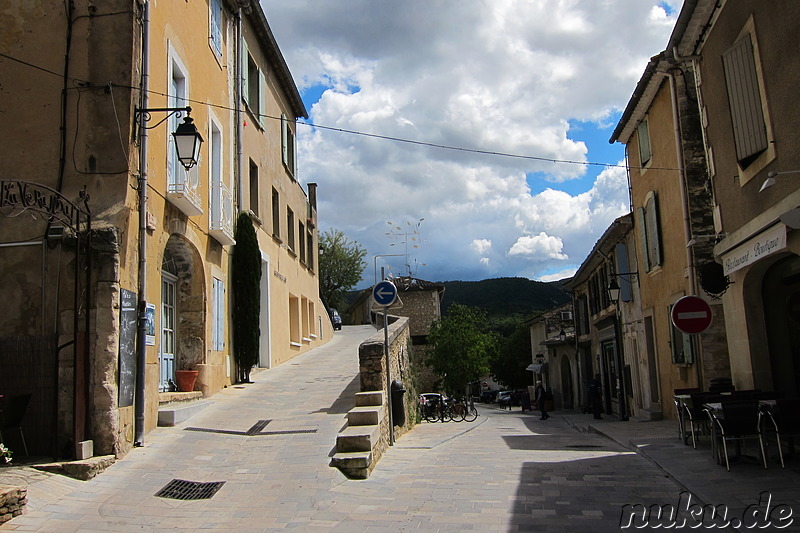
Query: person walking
[[540, 399], [594, 396]]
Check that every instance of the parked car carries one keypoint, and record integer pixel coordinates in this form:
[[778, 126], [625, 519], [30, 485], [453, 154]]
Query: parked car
[[504, 398], [488, 396], [336, 319]]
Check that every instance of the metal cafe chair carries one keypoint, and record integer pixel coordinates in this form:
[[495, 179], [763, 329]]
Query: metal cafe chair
[[740, 421], [679, 408], [12, 416], [784, 419], [696, 415]]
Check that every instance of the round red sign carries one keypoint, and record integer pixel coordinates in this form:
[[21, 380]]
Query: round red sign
[[691, 314]]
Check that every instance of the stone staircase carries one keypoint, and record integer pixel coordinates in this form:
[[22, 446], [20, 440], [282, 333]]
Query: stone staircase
[[360, 444], [175, 407]]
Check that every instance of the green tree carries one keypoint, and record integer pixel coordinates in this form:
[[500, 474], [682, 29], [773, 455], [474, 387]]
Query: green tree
[[341, 263], [461, 348], [246, 285], [509, 363]]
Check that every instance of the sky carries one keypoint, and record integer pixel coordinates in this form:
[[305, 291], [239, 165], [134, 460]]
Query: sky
[[469, 137]]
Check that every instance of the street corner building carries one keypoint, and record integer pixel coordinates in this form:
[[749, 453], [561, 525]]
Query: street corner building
[[136, 133], [710, 135]]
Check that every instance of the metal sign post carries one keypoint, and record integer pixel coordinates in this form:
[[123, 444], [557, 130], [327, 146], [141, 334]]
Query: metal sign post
[[384, 294]]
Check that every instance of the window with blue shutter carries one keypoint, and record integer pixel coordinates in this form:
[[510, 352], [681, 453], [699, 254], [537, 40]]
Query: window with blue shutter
[[215, 8]]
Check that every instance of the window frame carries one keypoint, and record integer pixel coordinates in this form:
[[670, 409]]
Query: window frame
[[216, 37], [288, 147], [177, 96], [643, 140], [217, 314]]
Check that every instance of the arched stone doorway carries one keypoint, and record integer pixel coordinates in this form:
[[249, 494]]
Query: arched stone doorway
[[182, 314], [566, 383], [781, 303]]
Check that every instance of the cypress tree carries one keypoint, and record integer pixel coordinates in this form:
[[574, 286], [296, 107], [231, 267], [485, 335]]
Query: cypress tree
[[246, 282]]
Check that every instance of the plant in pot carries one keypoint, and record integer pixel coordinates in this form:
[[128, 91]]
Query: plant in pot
[[185, 379]]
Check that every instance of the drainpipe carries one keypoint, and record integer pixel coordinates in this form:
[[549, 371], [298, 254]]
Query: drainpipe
[[237, 69], [141, 331]]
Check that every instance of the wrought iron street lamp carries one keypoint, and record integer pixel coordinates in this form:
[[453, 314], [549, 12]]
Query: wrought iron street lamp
[[187, 139], [613, 286]]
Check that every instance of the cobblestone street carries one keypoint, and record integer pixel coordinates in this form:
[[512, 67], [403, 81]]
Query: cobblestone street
[[506, 472]]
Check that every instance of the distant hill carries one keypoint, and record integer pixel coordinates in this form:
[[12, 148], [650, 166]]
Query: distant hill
[[505, 296]]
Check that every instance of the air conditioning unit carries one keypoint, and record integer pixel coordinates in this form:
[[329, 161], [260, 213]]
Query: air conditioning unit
[[566, 315]]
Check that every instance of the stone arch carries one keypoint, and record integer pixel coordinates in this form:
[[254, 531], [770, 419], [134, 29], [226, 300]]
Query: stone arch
[[190, 336], [778, 366]]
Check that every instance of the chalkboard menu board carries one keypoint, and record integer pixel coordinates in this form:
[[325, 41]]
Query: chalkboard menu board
[[127, 346]]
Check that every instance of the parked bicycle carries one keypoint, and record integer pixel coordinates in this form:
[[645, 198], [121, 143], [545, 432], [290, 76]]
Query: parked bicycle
[[461, 410], [436, 408]]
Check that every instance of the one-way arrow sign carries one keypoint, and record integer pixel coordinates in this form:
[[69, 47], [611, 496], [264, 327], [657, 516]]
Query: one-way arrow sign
[[384, 293]]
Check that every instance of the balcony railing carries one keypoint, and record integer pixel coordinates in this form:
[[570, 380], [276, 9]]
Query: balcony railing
[[221, 224], [183, 190]]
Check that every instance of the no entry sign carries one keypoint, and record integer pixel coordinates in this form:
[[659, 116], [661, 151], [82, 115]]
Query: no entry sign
[[691, 314]]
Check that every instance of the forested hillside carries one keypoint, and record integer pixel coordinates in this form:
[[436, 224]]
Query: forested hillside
[[505, 296]]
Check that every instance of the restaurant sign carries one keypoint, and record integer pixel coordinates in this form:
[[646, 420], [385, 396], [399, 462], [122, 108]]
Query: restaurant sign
[[760, 246]]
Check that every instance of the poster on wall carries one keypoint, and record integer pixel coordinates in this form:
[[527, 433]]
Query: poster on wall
[[150, 336], [127, 346]]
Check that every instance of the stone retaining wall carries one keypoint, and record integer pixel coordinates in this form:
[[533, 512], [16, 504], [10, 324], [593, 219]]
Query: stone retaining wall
[[12, 502], [372, 369]]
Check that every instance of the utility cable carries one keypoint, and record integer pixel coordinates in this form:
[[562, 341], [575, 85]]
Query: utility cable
[[371, 135]]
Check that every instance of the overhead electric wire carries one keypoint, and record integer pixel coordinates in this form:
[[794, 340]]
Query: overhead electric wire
[[373, 135]]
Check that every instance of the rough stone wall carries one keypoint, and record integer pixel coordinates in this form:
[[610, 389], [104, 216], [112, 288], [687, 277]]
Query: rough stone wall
[[713, 342], [422, 308], [372, 368], [108, 437], [12, 502]]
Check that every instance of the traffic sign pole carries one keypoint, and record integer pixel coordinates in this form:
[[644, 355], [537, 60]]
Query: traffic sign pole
[[384, 294]]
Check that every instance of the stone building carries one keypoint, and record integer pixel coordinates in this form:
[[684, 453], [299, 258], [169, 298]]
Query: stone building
[[553, 355], [131, 250], [746, 72], [420, 301]]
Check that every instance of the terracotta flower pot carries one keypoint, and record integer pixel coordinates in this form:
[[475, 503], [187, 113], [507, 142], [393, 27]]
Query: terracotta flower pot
[[186, 379]]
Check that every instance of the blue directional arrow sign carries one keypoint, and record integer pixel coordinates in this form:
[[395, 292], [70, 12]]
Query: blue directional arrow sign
[[384, 293]]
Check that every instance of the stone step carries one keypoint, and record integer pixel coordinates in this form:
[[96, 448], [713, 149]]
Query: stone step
[[172, 397], [368, 415], [174, 413], [84, 470], [358, 439], [369, 398], [355, 465]]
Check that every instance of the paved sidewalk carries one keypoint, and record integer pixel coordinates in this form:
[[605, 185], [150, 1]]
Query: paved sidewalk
[[697, 470], [271, 442]]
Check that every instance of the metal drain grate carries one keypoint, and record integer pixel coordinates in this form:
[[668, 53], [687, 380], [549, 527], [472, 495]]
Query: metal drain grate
[[178, 489]]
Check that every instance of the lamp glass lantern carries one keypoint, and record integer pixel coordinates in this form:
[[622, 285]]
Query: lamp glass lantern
[[187, 143], [613, 290], [562, 335]]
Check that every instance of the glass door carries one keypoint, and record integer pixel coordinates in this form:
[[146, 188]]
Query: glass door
[[167, 354]]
